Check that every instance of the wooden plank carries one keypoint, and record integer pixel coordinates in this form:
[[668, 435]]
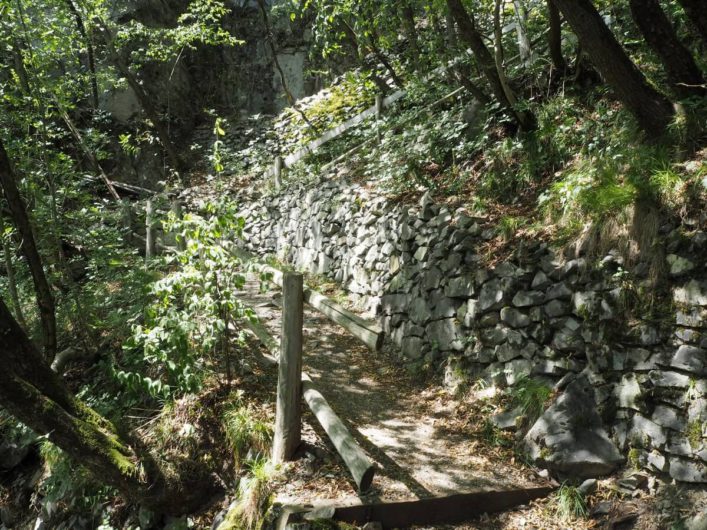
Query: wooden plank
[[369, 333], [453, 509], [361, 467], [288, 412], [150, 232]]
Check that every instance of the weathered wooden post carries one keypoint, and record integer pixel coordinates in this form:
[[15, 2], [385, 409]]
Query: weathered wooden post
[[150, 233], [379, 113], [176, 208], [278, 169], [127, 213], [288, 421]]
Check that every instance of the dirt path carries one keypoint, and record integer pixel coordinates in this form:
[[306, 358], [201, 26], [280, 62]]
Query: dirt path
[[400, 422]]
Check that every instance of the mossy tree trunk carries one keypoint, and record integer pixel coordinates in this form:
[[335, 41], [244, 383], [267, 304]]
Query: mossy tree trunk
[[37, 396], [652, 110]]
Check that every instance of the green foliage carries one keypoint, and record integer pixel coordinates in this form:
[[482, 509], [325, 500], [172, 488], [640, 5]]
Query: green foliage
[[199, 25], [571, 504], [68, 485], [192, 308], [530, 395], [245, 431]]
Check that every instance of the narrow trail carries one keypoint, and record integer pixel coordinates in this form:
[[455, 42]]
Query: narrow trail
[[401, 423]]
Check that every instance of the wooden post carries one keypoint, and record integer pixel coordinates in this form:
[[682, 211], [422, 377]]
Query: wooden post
[[127, 220], [379, 113], [288, 422], [150, 235], [278, 168], [176, 208]]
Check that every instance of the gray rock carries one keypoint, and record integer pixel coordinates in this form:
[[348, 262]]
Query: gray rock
[[514, 318], [657, 462], [492, 295], [628, 393], [462, 287], [679, 265], [421, 253], [559, 290], [668, 417], [588, 487], [493, 336], [662, 378], [569, 439], [540, 281], [642, 427], [420, 311], [506, 421], [690, 359], [506, 352], [372, 525], [323, 512], [516, 370], [693, 293], [528, 298], [412, 347], [444, 335], [697, 522], [688, 470], [555, 309], [467, 313]]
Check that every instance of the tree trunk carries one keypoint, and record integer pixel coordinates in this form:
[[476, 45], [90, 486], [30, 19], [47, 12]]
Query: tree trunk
[[554, 38], [471, 36], [45, 299], [11, 279], [652, 110], [697, 13], [36, 396], [524, 47], [684, 75], [81, 27], [407, 19]]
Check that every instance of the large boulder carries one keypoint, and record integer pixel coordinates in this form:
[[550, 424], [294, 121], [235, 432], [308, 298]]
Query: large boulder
[[569, 439]]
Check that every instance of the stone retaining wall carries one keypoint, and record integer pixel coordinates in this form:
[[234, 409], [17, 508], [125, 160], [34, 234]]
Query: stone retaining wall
[[420, 271]]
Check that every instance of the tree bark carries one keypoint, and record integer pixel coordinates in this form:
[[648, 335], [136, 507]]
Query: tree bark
[[11, 279], [554, 38], [652, 110], [697, 13], [36, 396], [81, 27], [524, 46], [472, 37], [45, 299], [684, 75], [407, 19]]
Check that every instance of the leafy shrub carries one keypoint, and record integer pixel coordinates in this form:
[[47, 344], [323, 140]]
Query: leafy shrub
[[192, 309]]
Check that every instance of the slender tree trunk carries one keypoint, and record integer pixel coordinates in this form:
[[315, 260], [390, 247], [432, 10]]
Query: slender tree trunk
[[554, 38], [472, 37], [407, 18], [524, 47], [36, 396], [11, 279], [684, 75], [372, 38], [697, 13], [652, 110], [81, 27], [45, 299], [142, 96]]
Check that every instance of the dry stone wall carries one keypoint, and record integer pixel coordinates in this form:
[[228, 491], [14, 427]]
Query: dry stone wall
[[576, 322]]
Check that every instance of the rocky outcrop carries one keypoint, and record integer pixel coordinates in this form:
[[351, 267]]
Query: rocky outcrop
[[421, 272]]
